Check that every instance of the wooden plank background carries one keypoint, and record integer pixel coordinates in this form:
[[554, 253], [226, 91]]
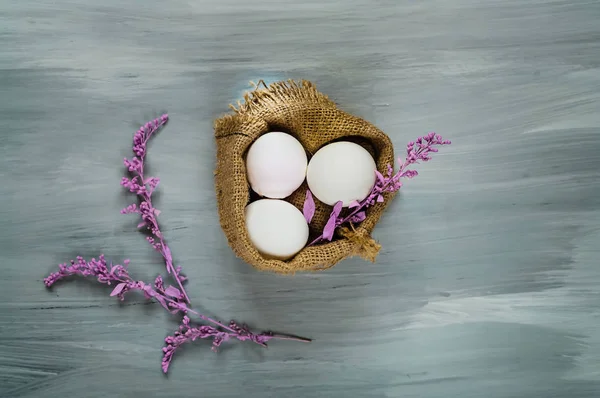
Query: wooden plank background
[[488, 282]]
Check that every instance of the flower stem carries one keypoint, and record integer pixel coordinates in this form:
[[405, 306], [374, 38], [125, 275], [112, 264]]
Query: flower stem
[[147, 197]]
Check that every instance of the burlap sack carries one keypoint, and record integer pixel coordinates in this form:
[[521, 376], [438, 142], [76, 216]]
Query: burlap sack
[[299, 109]]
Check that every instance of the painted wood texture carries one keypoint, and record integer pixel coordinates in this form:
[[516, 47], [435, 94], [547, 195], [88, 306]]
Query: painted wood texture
[[488, 281]]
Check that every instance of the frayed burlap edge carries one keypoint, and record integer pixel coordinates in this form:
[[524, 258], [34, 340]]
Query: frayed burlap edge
[[261, 108]]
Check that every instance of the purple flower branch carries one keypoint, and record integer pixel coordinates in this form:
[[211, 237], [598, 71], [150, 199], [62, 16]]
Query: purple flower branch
[[171, 298], [144, 187], [417, 151]]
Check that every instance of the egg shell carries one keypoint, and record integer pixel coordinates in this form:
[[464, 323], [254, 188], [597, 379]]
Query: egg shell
[[276, 165], [276, 228], [341, 171]]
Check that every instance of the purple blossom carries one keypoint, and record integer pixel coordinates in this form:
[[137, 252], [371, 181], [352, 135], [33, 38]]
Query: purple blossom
[[188, 333], [133, 164], [417, 151], [153, 243], [132, 208], [95, 267], [170, 298], [358, 217], [144, 187]]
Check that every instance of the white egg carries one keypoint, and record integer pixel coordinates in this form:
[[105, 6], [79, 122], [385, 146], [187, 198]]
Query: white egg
[[276, 228], [341, 171], [276, 165]]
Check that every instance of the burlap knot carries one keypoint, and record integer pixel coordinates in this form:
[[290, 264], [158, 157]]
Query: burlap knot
[[300, 110], [364, 246]]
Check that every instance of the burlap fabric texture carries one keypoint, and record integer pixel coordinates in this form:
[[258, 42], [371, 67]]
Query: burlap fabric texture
[[295, 107]]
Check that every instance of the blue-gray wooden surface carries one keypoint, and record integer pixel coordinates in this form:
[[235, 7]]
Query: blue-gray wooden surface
[[488, 282]]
